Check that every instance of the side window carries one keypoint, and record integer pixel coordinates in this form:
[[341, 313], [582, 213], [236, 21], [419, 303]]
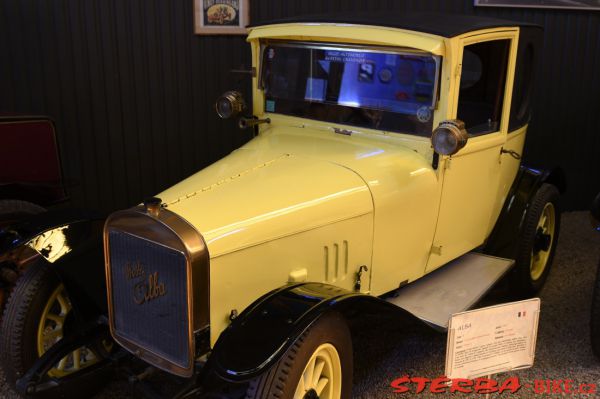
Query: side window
[[523, 88], [482, 84]]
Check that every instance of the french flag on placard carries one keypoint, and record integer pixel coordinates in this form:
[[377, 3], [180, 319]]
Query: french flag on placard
[[522, 314]]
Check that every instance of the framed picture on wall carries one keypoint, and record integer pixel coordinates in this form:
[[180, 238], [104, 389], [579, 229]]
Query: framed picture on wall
[[221, 17], [572, 4]]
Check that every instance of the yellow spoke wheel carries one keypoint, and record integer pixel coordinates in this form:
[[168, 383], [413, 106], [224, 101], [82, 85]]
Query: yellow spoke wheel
[[537, 242], [543, 241], [51, 329], [322, 376]]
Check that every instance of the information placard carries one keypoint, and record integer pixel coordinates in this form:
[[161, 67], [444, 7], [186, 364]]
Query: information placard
[[492, 340]]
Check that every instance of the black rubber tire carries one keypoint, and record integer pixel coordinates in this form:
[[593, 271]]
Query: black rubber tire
[[281, 380], [12, 211], [18, 331], [595, 321], [521, 281], [17, 207]]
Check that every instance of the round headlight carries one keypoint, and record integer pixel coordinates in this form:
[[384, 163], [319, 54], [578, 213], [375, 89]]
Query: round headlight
[[449, 137], [230, 104]]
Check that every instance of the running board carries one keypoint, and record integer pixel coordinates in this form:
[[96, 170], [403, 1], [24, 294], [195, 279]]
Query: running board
[[452, 288]]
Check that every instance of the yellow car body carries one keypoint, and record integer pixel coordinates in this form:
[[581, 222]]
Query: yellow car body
[[302, 203], [312, 212]]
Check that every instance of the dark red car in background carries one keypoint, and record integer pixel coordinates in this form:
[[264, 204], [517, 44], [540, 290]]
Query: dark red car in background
[[30, 170], [30, 176], [43, 249]]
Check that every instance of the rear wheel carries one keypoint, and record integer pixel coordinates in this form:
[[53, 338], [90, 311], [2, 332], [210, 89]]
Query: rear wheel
[[317, 366], [38, 315], [538, 241], [595, 321]]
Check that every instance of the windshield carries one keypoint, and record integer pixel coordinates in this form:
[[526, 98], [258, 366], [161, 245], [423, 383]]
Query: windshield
[[367, 87]]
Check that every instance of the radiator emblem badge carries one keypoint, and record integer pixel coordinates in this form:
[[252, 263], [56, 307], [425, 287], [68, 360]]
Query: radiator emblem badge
[[149, 288], [134, 270]]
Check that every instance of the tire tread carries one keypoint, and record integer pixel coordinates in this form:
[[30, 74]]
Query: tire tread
[[14, 321], [273, 383], [521, 276]]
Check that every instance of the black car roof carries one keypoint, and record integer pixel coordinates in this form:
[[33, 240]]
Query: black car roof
[[446, 25]]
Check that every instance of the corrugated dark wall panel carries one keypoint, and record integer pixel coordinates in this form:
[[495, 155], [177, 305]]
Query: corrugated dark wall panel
[[132, 88]]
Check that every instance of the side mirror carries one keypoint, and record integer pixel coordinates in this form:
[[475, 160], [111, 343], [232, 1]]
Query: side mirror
[[230, 104], [449, 137]]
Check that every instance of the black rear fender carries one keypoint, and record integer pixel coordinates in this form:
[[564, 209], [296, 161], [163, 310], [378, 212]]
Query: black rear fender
[[502, 241]]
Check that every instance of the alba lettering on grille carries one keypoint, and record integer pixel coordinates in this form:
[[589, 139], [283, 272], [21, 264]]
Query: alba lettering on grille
[[148, 289]]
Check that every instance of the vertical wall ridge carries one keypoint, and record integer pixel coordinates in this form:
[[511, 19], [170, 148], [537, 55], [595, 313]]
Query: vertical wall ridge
[[131, 88]]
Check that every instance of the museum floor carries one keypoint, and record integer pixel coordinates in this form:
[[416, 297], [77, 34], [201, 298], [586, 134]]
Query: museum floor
[[563, 347]]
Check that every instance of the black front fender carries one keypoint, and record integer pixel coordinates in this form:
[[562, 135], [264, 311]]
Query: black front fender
[[70, 243], [259, 337]]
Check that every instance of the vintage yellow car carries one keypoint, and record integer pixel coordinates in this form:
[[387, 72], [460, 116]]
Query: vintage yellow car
[[385, 173]]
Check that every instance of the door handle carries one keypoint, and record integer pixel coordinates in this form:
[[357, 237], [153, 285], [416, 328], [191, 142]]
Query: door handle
[[512, 153]]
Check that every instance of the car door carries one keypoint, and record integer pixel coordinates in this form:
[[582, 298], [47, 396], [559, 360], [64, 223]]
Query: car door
[[471, 178]]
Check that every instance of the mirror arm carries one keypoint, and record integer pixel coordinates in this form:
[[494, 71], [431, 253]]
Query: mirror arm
[[245, 123], [435, 161]]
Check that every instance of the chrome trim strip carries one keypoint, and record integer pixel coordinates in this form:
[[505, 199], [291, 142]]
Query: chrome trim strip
[[167, 229]]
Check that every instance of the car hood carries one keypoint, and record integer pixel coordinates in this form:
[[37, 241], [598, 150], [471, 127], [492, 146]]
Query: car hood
[[262, 193]]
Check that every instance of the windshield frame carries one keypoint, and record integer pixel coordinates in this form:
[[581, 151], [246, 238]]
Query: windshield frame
[[319, 45]]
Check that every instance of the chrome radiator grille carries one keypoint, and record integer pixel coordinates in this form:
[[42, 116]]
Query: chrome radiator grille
[[157, 275], [149, 296]]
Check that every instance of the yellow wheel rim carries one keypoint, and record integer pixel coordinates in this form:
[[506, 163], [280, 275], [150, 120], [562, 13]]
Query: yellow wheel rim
[[322, 376], [545, 227], [51, 330]]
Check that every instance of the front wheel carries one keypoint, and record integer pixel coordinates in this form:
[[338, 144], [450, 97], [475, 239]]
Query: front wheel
[[38, 314], [537, 242], [317, 366]]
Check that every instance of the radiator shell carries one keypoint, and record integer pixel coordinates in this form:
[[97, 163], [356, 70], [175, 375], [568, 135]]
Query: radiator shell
[[157, 270]]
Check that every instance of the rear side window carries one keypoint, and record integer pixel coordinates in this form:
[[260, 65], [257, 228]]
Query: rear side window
[[483, 80], [523, 88]]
